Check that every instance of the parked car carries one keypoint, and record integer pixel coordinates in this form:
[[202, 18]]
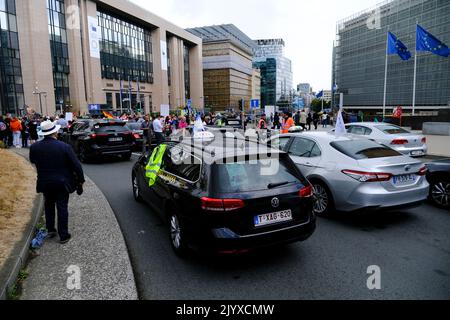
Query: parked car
[[228, 123], [138, 134], [224, 205], [438, 176], [95, 138], [351, 173], [405, 142]]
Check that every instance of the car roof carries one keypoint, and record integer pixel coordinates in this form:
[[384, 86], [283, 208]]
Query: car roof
[[324, 137], [215, 150], [371, 124]]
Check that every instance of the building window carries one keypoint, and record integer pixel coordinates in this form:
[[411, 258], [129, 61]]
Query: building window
[[187, 73], [125, 49], [11, 83], [59, 51], [109, 100]]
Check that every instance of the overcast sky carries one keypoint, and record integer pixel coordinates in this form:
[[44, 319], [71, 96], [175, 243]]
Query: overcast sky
[[307, 26]]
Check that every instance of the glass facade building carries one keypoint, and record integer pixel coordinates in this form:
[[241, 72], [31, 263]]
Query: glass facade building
[[11, 82], [125, 49], [281, 83], [360, 52], [59, 51]]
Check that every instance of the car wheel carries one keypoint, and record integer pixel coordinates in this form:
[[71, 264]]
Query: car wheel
[[82, 154], [440, 193], [126, 156], [323, 201], [176, 232], [136, 189]]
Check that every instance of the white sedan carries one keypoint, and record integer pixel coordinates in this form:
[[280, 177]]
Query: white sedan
[[405, 142]]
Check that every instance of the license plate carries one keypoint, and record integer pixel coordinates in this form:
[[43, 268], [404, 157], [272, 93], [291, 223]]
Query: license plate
[[417, 153], [272, 218], [404, 179], [115, 139]]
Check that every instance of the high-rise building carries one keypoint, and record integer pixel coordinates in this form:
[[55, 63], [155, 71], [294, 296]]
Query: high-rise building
[[61, 55], [360, 51], [276, 70], [229, 79], [304, 88]]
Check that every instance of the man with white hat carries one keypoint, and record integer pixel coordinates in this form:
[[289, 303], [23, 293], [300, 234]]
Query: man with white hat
[[59, 174]]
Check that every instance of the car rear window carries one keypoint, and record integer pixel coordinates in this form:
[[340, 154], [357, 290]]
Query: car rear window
[[113, 127], [246, 176], [364, 149], [391, 129]]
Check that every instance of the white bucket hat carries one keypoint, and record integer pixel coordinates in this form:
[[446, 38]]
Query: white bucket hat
[[48, 128]]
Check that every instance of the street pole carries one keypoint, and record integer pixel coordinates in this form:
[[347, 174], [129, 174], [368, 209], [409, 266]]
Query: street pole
[[385, 77], [120, 95], [415, 78]]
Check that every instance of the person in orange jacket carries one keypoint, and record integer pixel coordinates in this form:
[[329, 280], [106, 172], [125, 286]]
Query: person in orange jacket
[[16, 128], [288, 123]]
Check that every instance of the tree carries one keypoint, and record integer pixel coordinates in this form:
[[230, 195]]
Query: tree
[[316, 105]]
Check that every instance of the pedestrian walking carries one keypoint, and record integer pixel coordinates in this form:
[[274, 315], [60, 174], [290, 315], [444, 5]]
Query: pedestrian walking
[[158, 130], [316, 120], [59, 173], [276, 121], [303, 119], [25, 133], [325, 120], [309, 120], [16, 128]]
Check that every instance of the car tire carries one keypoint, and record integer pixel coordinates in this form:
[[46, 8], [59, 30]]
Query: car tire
[[440, 193], [323, 199], [136, 189], [177, 234], [82, 154], [127, 156]]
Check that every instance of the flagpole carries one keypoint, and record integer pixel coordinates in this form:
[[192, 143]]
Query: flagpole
[[415, 78], [121, 98], [129, 93], [385, 76]]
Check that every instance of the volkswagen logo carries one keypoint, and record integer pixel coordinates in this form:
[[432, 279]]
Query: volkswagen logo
[[408, 167], [275, 202]]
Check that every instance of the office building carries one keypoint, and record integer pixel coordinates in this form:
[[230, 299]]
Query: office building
[[360, 51], [304, 88], [229, 79], [73, 55], [276, 70]]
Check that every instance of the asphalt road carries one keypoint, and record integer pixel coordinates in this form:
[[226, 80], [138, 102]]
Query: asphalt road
[[411, 247]]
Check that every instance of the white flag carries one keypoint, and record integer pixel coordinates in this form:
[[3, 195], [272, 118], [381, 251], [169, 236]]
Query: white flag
[[198, 124], [340, 125]]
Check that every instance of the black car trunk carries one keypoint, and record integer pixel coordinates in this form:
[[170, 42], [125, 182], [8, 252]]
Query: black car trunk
[[111, 135]]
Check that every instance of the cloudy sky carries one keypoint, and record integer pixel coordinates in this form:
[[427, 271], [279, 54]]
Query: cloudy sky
[[307, 26]]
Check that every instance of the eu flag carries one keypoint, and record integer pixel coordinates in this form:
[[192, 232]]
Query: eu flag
[[319, 95], [425, 41], [395, 46]]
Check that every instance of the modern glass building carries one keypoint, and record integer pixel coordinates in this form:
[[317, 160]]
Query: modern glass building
[[11, 82], [360, 51], [76, 55], [269, 54]]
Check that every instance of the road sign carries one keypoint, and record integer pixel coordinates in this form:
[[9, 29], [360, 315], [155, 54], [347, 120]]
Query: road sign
[[254, 103]]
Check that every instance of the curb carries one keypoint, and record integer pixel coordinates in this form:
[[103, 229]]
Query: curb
[[18, 259]]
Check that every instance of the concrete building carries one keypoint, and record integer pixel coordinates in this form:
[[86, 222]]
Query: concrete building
[[359, 57], [327, 95], [276, 70], [304, 88], [72, 54], [228, 76]]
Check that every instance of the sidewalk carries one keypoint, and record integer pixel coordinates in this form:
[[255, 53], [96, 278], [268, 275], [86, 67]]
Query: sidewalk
[[97, 248]]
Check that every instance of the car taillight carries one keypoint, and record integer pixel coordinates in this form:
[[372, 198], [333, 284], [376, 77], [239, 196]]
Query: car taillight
[[95, 135], [422, 171], [424, 140], [136, 136], [399, 142], [368, 176], [222, 205], [306, 192]]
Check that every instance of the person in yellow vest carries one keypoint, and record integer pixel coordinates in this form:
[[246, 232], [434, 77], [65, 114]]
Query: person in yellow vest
[[154, 164]]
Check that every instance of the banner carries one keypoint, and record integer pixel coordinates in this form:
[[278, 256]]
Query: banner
[[164, 56], [94, 37]]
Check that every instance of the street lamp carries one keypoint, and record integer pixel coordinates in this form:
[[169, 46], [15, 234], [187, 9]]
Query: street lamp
[[40, 93]]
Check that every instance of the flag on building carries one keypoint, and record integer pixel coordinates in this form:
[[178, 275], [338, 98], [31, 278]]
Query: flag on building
[[319, 95], [425, 41], [108, 115], [395, 46]]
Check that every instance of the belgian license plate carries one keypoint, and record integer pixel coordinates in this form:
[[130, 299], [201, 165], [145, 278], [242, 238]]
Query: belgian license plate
[[115, 139], [272, 218], [404, 179]]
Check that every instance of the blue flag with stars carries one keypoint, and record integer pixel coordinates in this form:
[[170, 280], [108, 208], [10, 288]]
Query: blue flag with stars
[[427, 42], [395, 46]]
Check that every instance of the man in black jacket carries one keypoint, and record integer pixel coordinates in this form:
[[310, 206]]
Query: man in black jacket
[[59, 174]]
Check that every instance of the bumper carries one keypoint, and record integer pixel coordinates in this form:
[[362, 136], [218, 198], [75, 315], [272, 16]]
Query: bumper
[[413, 151], [376, 197], [111, 150], [225, 241]]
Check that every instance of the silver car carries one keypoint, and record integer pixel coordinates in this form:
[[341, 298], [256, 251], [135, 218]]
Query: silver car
[[405, 142], [350, 173]]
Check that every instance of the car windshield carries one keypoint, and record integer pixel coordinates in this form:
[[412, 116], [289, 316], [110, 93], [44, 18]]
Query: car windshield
[[246, 176], [363, 149], [134, 126], [391, 129]]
